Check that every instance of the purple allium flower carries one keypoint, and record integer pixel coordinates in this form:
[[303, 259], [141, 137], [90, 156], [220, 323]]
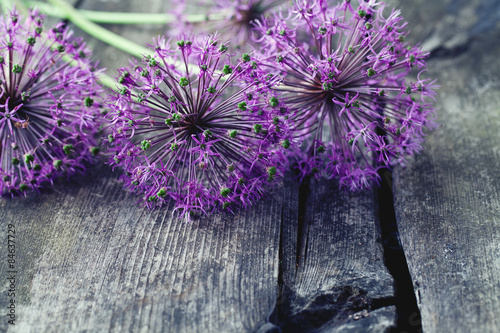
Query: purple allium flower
[[345, 80], [48, 106], [198, 125], [234, 18]]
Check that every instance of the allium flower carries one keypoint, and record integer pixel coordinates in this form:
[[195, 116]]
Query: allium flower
[[346, 72], [196, 125], [48, 106], [234, 18]]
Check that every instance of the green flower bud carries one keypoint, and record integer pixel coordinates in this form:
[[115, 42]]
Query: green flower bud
[[88, 101], [257, 128], [183, 81], [17, 69], [227, 70], [242, 106], [31, 40], [162, 193], [273, 101], [232, 133], [225, 192], [94, 150], [370, 72], [67, 149], [145, 144], [57, 164]]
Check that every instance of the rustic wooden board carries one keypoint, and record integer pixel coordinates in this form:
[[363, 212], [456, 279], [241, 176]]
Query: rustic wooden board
[[448, 199], [332, 262], [90, 258]]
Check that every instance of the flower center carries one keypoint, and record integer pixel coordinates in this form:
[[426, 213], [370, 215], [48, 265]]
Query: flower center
[[12, 104]]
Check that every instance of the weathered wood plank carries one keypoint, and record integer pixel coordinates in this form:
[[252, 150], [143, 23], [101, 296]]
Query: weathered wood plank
[[89, 258], [358, 268], [448, 199], [332, 262]]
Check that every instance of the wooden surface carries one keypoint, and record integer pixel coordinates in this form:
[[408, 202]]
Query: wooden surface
[[91, 260], [332, 261], [448, 199], [309, 258]]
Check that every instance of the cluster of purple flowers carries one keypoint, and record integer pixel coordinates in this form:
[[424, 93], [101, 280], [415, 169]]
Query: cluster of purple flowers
[[48, 106], [345, 71], [325, 87], [196, 124]]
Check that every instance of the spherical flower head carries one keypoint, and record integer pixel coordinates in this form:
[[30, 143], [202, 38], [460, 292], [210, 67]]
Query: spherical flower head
[[49, 103], [346, 69], [197, 126], [234, 19]]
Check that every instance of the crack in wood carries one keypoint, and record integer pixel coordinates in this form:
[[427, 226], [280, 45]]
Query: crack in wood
[[333, 308], [303, 229], [408, 314], [343, 304]]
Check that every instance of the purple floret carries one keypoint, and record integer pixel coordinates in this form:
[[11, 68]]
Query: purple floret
[[48, 107], [197, 126], [345, 69]]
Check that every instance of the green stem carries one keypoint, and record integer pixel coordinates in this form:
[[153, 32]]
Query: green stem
[[125, 18], [109, 82], [100, 33], [104, 79], [105, 35]]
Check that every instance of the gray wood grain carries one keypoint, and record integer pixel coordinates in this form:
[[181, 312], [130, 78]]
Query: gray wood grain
[[448, 199], [90, 259], [332, 261]]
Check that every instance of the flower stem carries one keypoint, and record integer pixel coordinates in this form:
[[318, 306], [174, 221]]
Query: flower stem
[[125, 18], [105, 35], [100, 33], [109, 82]]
